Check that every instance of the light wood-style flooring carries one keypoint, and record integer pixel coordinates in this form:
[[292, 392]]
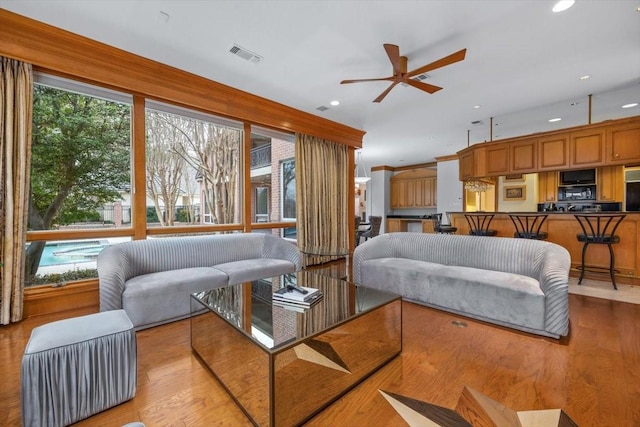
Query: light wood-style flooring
[[593, 375]]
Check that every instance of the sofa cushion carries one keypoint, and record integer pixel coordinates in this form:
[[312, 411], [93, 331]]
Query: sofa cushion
[[156, 297], [254, 269], [511, 298]]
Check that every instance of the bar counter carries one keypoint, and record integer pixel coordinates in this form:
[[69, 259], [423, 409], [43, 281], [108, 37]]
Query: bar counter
[[562, 228]]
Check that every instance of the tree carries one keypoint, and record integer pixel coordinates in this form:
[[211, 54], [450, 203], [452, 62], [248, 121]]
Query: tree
[[80, 160], [164, 166]]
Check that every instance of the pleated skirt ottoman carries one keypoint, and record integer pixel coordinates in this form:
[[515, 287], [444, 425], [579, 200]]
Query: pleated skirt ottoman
[[77, 367]]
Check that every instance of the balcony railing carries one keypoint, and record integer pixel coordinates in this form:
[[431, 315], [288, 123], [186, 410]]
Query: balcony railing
[[261, 156]]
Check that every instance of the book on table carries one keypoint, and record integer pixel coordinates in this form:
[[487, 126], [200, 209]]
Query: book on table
[[297, 295]]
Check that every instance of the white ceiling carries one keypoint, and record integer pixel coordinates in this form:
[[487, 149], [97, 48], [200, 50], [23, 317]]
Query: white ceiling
[[523, 62]]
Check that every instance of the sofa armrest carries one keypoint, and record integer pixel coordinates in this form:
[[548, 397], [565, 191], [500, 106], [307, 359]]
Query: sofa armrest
[[278, 248], [554, 282], [112, 267], [378, 247]]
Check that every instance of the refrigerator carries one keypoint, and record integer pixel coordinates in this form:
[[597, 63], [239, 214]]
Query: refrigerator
[[632, 196]]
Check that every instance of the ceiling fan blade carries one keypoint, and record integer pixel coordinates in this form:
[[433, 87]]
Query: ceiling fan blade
[[393, 52], [366, 80], [385, 93], [423, 86], [447, 60]]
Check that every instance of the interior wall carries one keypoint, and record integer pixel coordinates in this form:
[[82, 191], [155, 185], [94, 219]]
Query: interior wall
[[449, 187], [529, 204]]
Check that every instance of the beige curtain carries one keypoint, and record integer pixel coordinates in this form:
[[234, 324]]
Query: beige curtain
[[322, 179], [16, 94]]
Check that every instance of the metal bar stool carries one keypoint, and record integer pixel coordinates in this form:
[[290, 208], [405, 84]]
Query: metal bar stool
[[528, 226], [479, 224], [599, 229], [438, 227]]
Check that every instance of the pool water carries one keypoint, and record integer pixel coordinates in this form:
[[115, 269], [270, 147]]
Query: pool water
[[70, 252]]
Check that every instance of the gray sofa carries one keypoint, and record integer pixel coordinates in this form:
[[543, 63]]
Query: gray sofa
[[152, 279], [518, 283]]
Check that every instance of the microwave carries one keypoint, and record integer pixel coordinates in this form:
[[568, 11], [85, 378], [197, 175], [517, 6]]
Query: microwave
[[578, 177]]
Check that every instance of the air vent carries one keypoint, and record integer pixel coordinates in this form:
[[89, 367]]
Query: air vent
[[421, 77], [477, 122], [245, 54], [322, 108]]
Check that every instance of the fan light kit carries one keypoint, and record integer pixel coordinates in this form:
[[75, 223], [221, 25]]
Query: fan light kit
[[400, 74]]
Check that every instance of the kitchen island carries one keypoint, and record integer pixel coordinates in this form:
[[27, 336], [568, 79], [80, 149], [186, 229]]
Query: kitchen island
[[562, 228]]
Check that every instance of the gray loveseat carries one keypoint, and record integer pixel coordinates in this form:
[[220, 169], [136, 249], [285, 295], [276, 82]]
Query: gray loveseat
[[152, 279], [518, 283]]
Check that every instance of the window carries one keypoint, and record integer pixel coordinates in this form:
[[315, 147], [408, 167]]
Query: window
[[192, 168], [269, 149], [80, 175], [288, 176]]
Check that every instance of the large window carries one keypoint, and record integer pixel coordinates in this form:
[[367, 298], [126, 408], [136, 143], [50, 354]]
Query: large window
[[80, 171], [272, 169], [192, 168]]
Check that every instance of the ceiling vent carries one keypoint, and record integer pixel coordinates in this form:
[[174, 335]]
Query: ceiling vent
[[421, 77], [322, 108], [245, 54]]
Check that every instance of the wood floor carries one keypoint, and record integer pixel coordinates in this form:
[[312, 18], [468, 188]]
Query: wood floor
[[594, 374]]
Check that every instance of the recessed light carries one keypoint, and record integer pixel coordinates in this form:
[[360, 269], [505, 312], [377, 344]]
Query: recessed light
[[633, 104], [334, 103], [563, 5], [557, 119], [585, 77], [476, 106]]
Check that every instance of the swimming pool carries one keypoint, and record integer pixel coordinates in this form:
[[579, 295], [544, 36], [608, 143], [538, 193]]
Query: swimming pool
[[71, 252]]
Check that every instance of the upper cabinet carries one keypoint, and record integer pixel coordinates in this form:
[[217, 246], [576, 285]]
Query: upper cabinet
[[414, 189], [610, 184], [553, 152], [614, 142], [623, 144], [523, 156], [497, 159], [587, 147]]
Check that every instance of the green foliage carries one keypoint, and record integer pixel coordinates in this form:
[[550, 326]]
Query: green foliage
[[80, 155], [152, 216], [183, 215], [62, 278]]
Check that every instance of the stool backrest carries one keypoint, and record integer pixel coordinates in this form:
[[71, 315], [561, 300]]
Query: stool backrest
[[599, 227], [527, 224], [479, 222]]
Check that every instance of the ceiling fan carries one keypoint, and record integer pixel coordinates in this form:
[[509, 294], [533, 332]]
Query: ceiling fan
[[400, 74]]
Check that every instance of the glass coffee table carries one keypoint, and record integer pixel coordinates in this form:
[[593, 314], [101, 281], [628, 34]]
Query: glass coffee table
[[282, 366]]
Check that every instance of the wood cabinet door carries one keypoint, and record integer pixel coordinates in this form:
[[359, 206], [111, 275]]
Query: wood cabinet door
[[587, 147], [427, 198], [497, 160], [610, 183], [467, 166], [623, 143], [394, 225], [523, 156], [553, 152], [547, 187]]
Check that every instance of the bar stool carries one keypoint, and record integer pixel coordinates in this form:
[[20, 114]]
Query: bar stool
[[599, 229], [528, 226], [479, 224], [438, 227]]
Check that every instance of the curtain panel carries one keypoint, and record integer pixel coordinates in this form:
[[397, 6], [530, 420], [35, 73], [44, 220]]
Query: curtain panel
[[16, 103], [322, 205]]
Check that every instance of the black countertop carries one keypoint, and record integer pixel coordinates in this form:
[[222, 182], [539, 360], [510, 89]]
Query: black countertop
[[417, 217]]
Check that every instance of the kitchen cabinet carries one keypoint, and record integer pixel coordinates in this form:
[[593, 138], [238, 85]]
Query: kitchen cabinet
[[473, 163], [623, 144], [497, 159], [553, 152], [523, 156], [610, 184], [414, 189], [587, 148], [395, 225], [547, 187]]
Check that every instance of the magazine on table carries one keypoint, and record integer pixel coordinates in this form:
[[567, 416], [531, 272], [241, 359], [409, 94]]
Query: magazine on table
[[300, 295]]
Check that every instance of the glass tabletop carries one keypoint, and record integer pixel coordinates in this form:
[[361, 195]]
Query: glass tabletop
[[274, 326]]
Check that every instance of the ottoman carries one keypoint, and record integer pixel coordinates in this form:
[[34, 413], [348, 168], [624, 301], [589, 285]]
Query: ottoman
[[75, 368]]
